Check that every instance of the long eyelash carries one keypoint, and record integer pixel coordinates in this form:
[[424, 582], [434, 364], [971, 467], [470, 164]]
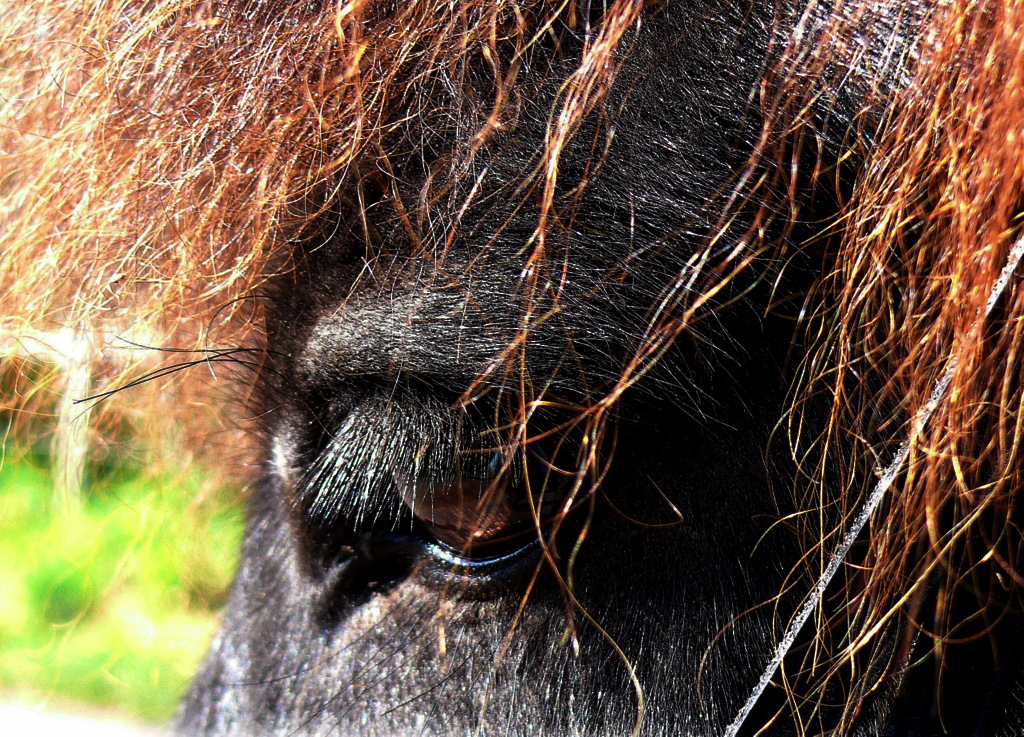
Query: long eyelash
[[383, 447], [207, 356], [352, 477]]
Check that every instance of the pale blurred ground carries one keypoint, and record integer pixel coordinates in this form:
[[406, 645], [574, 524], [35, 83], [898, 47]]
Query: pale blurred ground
[[28, 720]]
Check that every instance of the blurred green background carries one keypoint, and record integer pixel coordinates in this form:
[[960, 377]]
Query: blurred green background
[[111, 602]]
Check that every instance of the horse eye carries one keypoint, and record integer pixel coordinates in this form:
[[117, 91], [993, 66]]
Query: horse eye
[[489, 502]]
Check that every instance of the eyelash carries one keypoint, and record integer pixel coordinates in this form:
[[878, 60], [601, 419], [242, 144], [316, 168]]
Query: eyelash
[[393, 466]]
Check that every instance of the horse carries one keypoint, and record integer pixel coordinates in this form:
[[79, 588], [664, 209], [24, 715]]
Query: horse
[[634, 367]]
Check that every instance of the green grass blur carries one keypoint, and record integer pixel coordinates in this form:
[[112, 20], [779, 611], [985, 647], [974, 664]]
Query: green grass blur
[[112, 604]]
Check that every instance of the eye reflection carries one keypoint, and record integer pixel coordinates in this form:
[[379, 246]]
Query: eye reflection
[[484, 502]]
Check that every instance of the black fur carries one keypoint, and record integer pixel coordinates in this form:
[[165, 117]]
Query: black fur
[[346, 617]]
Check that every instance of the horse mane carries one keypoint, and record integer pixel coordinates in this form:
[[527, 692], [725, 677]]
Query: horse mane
[[162, 159]]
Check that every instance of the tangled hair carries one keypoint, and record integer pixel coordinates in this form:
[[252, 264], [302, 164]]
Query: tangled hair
[[161, 160]]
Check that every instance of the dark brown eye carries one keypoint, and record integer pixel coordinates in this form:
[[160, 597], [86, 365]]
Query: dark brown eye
[[489, 503]]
